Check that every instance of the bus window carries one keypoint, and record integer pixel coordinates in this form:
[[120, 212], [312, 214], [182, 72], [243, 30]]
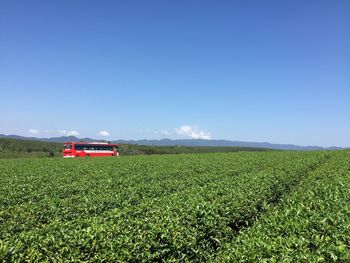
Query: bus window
[[67, 146], [78, 147]]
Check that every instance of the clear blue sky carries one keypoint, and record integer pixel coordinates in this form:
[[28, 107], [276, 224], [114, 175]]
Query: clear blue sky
[[276, 71]]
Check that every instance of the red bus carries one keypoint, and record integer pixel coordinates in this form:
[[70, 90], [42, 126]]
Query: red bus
[[89, 149]]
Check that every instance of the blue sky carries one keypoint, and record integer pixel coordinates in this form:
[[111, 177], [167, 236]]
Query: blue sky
[[276, 71]]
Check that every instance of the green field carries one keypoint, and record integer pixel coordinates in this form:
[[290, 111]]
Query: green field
[[222, 207]]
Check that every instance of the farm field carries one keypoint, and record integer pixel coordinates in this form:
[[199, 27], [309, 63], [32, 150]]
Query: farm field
[[224, 207]]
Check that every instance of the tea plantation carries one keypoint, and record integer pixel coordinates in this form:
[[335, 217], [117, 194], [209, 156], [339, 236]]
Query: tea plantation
[[217, 207]]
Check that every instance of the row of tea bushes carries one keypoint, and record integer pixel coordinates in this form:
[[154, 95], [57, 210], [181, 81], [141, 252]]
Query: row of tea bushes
[[312, 224]]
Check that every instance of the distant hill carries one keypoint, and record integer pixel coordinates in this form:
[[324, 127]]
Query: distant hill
[[183, 142], [226, 143]]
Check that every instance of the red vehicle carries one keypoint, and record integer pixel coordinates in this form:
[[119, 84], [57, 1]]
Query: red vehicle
[[89, 149]]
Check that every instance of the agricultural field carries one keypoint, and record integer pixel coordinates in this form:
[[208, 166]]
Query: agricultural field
[[217, 207]]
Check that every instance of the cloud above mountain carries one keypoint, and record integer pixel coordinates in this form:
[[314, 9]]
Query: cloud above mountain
[[103, 133], [33, 131], [69, 133], [193, 132]]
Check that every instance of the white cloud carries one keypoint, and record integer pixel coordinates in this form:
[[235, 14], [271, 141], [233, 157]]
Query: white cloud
[[69, 133], [103, 133], [33, 131], [193, 132], [163, 132]]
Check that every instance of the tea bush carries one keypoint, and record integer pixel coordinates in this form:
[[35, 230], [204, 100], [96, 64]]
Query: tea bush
[[162, 208]]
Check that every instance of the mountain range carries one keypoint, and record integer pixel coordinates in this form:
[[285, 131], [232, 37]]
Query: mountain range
[[182, 142]]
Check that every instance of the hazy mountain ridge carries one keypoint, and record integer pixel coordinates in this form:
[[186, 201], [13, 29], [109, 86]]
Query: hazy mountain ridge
[[182, 142]]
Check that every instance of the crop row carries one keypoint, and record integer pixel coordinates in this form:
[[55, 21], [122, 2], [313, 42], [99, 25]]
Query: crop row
[[312, 224], [44, 189], [171, 208]]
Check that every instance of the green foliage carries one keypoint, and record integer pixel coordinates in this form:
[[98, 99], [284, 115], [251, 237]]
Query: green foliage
[[312, 224], [208, 207], [12, 148], [132, 149]]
